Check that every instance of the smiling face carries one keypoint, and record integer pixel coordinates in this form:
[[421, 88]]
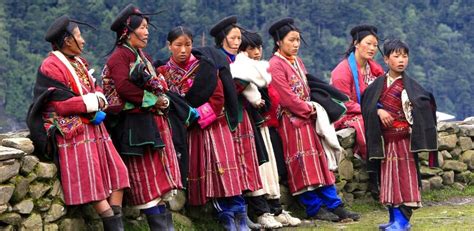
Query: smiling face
[[367, 47], [232, 41], [290, 44], [139, 37], [397, 61], [181, 48], [70, 46]]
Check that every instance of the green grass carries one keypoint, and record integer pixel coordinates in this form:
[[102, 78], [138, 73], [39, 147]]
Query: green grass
[[446, 193]]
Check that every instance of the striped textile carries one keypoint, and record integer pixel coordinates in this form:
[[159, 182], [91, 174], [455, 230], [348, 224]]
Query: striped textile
[[156, 172], [399, 179], [213, 168], [244, 146], [304, 155], [90, 167]]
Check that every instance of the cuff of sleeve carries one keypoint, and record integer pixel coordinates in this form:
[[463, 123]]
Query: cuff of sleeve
[[91, 102], [252, 94], [100, 95], [149, 99]]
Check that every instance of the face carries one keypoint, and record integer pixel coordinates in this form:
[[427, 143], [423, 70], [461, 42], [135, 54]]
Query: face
[[71, 46], [139, 39], [397, 61], [290, 44], [232, 41], [254, 52], [181, 48], [367, 47]]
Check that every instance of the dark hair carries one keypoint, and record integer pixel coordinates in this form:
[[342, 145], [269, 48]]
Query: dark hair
[[395, 45], [281, 32], [358, 33], [177, 32], [250, 39], [59, 42], [219, 38], [135, 22]]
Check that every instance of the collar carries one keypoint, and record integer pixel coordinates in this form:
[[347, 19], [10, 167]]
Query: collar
[[391, 80], [231, 56]]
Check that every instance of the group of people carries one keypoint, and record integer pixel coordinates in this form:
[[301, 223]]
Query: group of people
[[225, 125]]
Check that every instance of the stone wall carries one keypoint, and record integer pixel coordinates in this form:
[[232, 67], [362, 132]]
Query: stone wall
[[31, 197]]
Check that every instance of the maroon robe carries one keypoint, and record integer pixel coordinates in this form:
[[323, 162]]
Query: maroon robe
[[90, 166]]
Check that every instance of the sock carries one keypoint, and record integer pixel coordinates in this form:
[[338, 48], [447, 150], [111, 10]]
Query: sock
[[155, 210], [107, 213]]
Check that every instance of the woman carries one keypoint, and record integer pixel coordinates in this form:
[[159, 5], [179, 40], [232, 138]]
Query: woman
[[213, 171], [65, 121], [309, 177], [140, 127], [352, 76]]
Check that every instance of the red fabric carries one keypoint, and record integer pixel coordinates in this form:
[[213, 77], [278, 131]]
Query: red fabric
[[271, 119], [284, 80], [391, 99], [244, 144], [156, 172]]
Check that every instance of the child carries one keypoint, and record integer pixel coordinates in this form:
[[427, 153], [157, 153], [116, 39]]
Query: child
[[400, 122]]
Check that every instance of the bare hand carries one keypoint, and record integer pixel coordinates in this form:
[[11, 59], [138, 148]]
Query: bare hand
[[385, 118], [162, 102], [101, 103], [313, 108], [260, 104]]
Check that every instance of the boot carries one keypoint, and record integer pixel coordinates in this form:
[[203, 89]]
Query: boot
[[113, 223], [400, 222], [390, 212], [226, 219], [162, 221], [342, 213], [241, 222], [324, 214]]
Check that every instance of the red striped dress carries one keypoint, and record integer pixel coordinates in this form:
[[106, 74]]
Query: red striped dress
[[304, 155], [399, 179], [213, 167], [90, 166]]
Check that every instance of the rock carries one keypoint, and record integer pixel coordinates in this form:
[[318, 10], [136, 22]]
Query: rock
[[24, 144], [33, 222], [340, 185], [468, 158], [8, 169], [178, 201], [89, 213], [436, 182], [424, 163], [130, 213], [346, 169], [425, 185], [446, 155], [56, 212], [46, 170], [363, 186], [358, 194], [286, 198], [55, 189], [53, 227], [7, 153], [348, 153], [10, 218], [205, 212], [423, 155], [43, 204], [350, 187], [465, 177], [182, 220], [469, 120], [38, 189], [465, 143], [3, 208], [348, 197], [346, 137], [24, 207], [72, 224], [28, 163], [21, 188], [31, 177], [357, 163], [449, 127], [454, 165], [427, 172], [8, 228], [447, 142], [448, 178], [440, 160], [361, 176], [458, 186], [456, 152], [467, 130], [6, 192]]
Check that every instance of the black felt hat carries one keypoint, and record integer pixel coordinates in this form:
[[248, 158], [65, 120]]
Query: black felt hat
[[121, 20], [61, 25], [281, 23], [222, 24], [367, 28]]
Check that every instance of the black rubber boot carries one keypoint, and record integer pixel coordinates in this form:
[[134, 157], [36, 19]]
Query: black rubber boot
[[342, 213], [158, 222], [324, 214], [113, 223]]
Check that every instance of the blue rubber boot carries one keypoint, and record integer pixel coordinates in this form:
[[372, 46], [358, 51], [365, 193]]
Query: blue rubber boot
[[227, 220], [390, 212], [400, 222], [241, 222]]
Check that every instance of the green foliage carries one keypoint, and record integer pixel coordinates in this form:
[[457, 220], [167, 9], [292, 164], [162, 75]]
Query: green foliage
[[439, 33]]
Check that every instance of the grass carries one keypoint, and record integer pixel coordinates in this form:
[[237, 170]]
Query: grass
[[435, 215]]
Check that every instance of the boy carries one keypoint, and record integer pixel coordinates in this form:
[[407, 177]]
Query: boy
[[400, 122]]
